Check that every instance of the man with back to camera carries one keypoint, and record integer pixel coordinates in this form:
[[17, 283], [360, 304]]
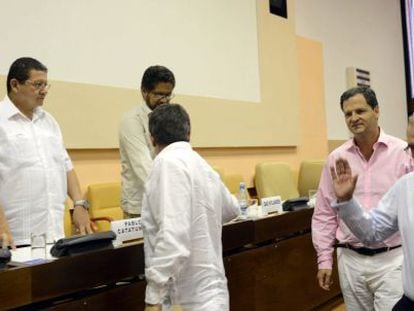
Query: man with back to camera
[[394, 212], [136, 150], [36, 173], [370, 278], [185, 204]]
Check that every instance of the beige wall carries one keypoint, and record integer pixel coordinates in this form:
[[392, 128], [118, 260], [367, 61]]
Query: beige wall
[[89, 114], [291, 112], [110, 43], [103, 165], [361, 33]]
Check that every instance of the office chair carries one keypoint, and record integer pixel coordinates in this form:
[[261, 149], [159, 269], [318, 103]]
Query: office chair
[[309, 176], [105, 201], [275, 178]]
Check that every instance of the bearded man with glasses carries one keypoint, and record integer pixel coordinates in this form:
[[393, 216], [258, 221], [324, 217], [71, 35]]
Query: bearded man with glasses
[[36, 173], [135, 146]]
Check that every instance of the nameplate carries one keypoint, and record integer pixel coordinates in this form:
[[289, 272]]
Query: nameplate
[[127, 230], [272, 205]]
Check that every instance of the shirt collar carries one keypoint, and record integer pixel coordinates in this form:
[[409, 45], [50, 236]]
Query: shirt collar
[[175, 146], [10, 110], [144, 107], [383, 139]]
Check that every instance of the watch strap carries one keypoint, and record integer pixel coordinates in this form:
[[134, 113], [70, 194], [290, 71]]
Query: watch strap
[[83, 203]]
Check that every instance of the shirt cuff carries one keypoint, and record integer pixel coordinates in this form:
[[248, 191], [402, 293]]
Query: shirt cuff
[[338, 205], [155, 294], [326, 264]]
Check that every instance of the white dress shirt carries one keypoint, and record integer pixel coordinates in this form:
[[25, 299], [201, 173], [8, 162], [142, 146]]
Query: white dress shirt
[[33, 167], [394, 212], [185, 204]]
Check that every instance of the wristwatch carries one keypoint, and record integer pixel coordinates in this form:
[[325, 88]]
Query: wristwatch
[[83, 203]]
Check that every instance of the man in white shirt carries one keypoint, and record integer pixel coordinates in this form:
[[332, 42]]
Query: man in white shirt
[[185, 204], [135, 147], [36, 172], [394, 212]]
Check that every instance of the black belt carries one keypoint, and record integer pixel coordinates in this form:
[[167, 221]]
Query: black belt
[[22, 245], [367, 251]]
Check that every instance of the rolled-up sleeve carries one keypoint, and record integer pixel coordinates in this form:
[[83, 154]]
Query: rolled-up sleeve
[[230, 205], [377, 224]]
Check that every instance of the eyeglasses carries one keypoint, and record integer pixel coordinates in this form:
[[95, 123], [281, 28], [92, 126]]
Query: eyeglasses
[[39, 85], [158, 96]]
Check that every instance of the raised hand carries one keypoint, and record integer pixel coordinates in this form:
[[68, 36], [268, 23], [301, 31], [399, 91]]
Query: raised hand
[[343, 181]]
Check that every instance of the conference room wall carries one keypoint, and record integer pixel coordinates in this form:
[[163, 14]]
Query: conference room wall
[[95, 165], [102, 165], [366, 34], [291, 89], [309, 58], [89, 112]]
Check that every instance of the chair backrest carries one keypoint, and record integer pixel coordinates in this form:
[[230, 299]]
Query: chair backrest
[[309, 176], [232, 183], [105, 201], [275, 178]]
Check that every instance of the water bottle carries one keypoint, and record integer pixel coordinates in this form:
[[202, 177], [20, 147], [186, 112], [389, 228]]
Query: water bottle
[[242, 198]]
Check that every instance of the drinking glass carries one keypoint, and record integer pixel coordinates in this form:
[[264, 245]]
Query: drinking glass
[[38, 245], [312, 197]]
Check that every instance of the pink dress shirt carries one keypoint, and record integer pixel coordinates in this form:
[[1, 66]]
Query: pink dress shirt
[[389, 161]]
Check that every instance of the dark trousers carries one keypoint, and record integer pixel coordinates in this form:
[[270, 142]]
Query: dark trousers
[[404, 304]]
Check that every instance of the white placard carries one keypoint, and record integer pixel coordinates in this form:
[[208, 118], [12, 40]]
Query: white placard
[[127, 230], [272, 204]]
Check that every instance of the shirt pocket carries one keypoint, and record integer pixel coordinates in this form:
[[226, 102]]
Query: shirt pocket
[[23, 147]]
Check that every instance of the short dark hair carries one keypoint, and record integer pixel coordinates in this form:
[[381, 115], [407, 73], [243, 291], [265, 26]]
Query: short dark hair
[[367, 92], [154, 75], [169, 124], [20, 70]]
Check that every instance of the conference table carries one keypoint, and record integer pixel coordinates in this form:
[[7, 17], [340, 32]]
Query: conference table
[[270, 265]]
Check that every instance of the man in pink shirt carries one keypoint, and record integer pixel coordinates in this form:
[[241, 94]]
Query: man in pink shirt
[[370, 278]]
